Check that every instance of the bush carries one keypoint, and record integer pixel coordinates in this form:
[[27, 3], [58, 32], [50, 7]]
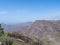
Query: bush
[[6, 40]]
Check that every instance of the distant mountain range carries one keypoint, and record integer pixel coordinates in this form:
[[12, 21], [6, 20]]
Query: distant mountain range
[[14, 27], [48, 30]]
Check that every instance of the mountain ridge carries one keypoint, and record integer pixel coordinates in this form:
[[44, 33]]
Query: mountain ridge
[[44, 29]]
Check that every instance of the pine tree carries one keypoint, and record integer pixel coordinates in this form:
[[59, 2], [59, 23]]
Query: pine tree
[[1, 30]]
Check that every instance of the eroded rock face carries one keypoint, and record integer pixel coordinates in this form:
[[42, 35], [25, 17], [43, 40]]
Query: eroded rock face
[[45, 30]]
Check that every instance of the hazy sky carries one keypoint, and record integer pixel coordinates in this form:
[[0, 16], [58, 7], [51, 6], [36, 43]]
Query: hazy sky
[[15, 11]]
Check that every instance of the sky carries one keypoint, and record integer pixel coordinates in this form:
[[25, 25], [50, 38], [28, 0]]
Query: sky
[[16, 11]]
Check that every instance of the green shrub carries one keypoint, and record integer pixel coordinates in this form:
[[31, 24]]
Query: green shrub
[[6, 40]]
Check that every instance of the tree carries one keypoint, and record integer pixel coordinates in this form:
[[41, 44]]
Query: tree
[[1, 30]]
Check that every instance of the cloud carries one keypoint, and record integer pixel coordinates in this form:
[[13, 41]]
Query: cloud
[[57, 16], [54, 16], [3, 12]]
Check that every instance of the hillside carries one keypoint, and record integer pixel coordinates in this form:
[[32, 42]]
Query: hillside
[[46, 30]]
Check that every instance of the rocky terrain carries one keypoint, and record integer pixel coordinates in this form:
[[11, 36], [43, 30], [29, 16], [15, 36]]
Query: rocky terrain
[[45, 30]]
